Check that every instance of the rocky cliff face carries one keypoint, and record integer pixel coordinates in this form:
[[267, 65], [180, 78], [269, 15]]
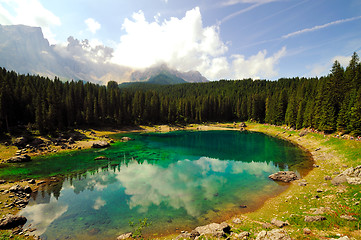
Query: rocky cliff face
[[22, 48], [145, 75]]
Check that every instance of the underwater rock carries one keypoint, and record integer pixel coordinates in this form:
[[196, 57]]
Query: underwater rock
[[126, 139], [100, 144], [125, 236]]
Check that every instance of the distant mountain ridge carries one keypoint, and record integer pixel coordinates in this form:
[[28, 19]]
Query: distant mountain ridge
[[145, 75], [25, 50]]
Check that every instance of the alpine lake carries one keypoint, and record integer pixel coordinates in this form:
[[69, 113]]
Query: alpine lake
[[176, 180]]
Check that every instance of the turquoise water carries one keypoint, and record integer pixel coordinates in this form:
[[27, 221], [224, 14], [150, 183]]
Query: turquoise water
[[177, 180]]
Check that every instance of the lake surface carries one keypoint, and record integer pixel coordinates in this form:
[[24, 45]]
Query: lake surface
[[177, 180]]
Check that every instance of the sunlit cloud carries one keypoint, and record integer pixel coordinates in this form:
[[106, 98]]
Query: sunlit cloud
[[185, 44], [320, 69], [93, 26], [257, 66]]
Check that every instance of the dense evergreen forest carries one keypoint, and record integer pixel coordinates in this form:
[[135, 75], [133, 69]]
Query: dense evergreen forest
[[330, 103]]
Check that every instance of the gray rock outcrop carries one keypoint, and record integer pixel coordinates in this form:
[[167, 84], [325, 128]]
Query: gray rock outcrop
[[125, 236], [214, 229], [100, 144], [20, 142], [12, 221], [279, 223], [19, 159], [351, 175], [284, 176], [275, 234], [348, 217], [19, 189], [314, 218]]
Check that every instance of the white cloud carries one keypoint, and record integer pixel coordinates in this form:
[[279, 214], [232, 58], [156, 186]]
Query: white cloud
[[225, 19], [234, 2], [257, 66], [343, 60], [29, 12], [93, 26], [318, 27], [185, 44], [324, 69]]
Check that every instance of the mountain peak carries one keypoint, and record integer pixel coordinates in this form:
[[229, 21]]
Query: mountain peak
[[146, 74]]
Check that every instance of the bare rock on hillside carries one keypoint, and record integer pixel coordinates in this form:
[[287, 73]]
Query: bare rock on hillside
[[21, 141], [348, 217], [19, 159], [275, 234], [351, 175], [284, 176], [214, 229], [237, 221], [242, 235], [353, 180], [279, 223], [12, 221], [19, 189], [341, 238], [321, 210], [339, 179], [314, 218], [125, 236]]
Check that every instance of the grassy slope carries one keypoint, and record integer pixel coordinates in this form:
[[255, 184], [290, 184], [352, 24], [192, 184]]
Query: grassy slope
[[335, 155]]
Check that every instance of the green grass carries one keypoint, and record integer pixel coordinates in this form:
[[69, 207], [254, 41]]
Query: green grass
[[7, 235], [296, 202]]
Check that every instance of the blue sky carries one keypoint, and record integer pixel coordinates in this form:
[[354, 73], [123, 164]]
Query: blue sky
[[231, 39]]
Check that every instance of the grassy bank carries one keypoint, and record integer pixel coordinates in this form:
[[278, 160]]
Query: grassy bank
[[332, 155]]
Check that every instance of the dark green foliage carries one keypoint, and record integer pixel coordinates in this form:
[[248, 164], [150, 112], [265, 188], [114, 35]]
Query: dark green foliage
[[330, 103]]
